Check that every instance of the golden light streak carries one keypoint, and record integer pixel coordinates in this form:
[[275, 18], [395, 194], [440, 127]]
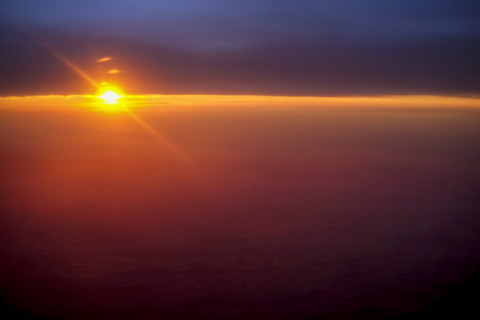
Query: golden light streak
[[113, 71], [407, 102]]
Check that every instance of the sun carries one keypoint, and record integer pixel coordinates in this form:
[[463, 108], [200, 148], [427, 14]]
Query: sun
[[110, 96]]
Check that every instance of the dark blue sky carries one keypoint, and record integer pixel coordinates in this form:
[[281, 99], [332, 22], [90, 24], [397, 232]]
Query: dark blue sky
[[330, 47]]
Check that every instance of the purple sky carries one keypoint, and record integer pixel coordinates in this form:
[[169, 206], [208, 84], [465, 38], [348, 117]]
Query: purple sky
[[340, 47]]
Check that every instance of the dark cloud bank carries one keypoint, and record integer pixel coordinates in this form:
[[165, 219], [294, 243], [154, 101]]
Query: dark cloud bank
[[232, 47]]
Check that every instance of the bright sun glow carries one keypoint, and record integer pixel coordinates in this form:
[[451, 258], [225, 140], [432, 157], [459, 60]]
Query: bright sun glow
[[110, 96]]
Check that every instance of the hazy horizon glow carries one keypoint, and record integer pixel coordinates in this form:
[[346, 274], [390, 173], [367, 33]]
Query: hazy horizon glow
[[276, 207], [249, 101]]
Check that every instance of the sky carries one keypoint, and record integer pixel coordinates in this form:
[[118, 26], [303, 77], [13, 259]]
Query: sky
[[329, 168], [318, 48]]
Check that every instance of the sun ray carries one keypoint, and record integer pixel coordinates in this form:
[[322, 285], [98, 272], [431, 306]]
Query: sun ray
[[111, 95], [72, 66]]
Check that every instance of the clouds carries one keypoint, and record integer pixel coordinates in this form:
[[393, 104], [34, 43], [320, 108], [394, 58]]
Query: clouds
[[302, 47]]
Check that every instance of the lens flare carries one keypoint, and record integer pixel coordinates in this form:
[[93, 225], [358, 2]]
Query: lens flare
[[105, 59]]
